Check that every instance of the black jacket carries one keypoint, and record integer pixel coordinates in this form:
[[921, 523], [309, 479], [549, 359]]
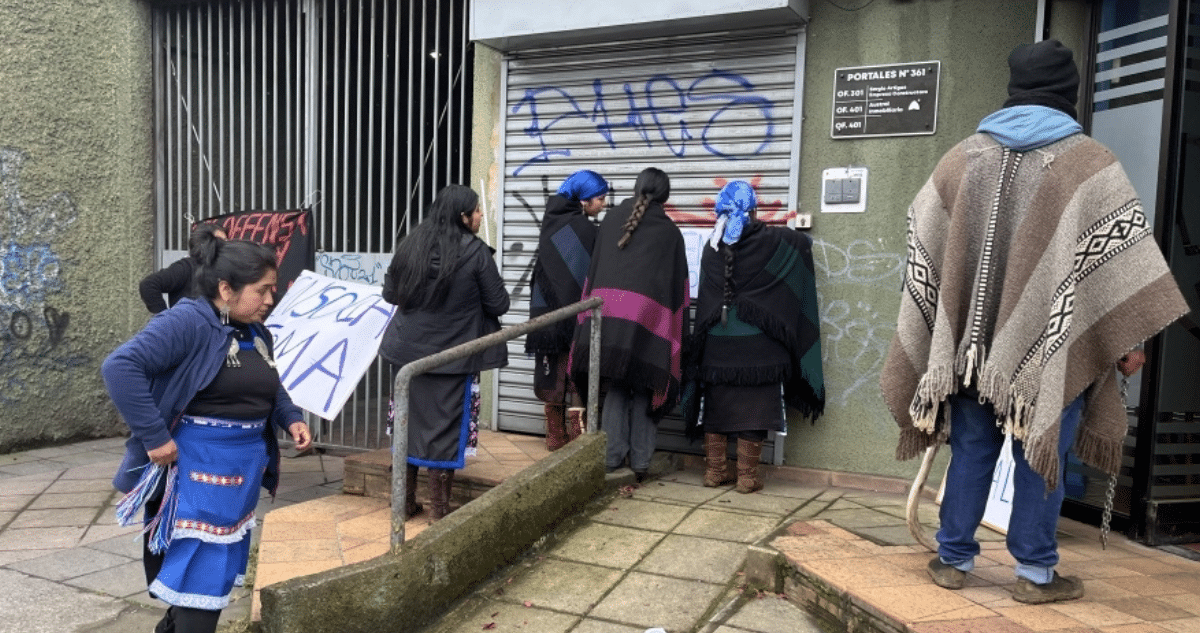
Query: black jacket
[[472, 308], [174, 280]]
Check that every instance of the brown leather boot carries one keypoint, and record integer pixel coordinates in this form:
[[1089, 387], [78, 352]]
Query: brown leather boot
[[411, 507], [576, 422], [556, 432], [748, 454], [441, 481], [717, 472]]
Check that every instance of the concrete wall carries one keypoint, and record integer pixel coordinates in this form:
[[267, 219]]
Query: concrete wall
[[407, 591], [76, 215], [860, 257], [485, 178]]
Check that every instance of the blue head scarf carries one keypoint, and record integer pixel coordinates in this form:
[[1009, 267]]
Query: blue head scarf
[[734, 204], [583, 185]]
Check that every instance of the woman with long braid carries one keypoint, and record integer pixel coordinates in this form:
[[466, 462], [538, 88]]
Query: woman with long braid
[[757, 344], [639, 267]]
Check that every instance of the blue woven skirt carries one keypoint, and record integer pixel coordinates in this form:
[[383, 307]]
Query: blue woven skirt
[[211, 511]]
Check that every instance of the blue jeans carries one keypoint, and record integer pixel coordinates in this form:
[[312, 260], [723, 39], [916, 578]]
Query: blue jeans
[[975, 443]]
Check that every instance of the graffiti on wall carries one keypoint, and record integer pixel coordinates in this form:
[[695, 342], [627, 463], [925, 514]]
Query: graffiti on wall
[[33, 315], [856, 333], [681, 115]]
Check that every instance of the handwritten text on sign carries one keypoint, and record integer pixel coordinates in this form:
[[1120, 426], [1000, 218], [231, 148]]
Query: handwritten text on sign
[[327, 332]]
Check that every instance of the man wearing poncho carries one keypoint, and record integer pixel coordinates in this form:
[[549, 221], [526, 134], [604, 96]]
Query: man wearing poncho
[[1031, 271]]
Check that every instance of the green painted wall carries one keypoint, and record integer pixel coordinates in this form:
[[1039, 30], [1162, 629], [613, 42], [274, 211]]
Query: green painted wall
[[859, 257], [76, 215]]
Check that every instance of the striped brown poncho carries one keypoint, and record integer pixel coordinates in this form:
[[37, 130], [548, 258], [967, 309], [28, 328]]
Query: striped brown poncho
[[1029, 274]]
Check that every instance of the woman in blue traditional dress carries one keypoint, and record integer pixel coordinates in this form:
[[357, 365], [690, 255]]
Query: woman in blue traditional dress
[[200, 392], [447, 288]]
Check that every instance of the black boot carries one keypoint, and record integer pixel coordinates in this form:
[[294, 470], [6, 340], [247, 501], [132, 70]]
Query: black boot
[[167, 623], [411, 507]]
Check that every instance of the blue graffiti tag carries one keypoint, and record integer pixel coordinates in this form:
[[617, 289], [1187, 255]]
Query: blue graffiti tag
[[29, 272], [661, 114]]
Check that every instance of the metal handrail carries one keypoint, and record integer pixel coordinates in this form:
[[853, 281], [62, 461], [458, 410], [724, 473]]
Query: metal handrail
[[422, 365]]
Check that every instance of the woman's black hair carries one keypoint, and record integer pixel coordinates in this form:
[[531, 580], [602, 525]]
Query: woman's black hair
[[437, 239], [238, 262], [201, 234], [652, 185]]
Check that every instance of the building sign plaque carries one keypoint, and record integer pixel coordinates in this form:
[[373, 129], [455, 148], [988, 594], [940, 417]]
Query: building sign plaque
[[889, 100]]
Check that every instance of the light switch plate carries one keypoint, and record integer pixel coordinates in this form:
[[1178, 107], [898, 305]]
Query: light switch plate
[[844, 176]]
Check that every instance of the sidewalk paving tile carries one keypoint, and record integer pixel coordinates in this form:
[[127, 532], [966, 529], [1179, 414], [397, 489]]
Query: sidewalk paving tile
[[589, 625], [770, 614], [648, 600], [58, 500], [40, 538], [9, 557], [1151, 610], [729, 526], [773, 506], [100, 470], [82, 485], [1190, 625], [1094, 614], [694, 558], [120, 581], [62, 517], [607, 545], [642, 514], [658, 490], [128, 545], [561, 585], [13, 503], [28, 484], [512, 617], [70, 563]]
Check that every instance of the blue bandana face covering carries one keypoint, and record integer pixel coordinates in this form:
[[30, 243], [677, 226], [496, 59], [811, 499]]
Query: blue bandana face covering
[[734, 204], [583, 185]]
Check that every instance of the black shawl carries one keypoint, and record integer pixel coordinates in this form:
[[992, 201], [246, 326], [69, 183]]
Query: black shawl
[[564, 255], [645, 314], [772, 329]]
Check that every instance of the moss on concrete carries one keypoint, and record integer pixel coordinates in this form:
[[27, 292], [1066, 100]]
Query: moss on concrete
[[406, 591]]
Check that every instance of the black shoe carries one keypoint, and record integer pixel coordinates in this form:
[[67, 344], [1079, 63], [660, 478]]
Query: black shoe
[[946, 576], [1059, 589], [167, 623], [640, 476]]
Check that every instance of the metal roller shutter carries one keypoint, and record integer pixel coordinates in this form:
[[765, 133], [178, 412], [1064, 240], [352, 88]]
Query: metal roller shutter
[[705, 108]]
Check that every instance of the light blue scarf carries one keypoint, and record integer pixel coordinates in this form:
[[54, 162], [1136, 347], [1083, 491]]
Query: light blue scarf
[[1027, 127]]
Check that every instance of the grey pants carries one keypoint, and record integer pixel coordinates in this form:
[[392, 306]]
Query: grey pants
[[629, 427]]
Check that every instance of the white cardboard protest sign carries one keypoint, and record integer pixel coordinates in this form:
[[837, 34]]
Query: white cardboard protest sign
[[327, 332]]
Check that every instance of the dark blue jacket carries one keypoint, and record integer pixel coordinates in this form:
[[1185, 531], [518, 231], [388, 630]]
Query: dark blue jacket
[[154, 375]]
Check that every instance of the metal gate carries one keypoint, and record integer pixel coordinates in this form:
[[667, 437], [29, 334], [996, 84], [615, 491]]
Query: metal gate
[[705, 108], [357, 109]]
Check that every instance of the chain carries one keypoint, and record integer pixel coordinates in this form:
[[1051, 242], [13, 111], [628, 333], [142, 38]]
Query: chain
[[1106, 518]]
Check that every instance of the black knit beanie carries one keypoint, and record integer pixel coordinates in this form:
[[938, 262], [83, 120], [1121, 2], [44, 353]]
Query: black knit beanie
[[1043, 74]]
